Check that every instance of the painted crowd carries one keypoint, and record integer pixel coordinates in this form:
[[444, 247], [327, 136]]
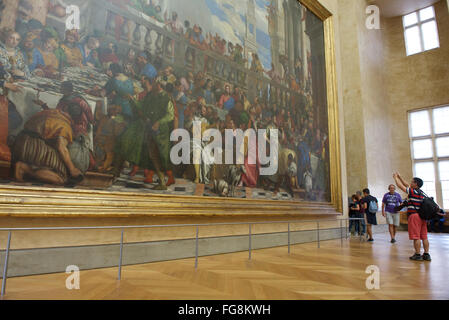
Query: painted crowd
[[147, 99]]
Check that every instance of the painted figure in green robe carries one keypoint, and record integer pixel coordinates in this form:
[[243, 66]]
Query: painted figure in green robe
[[146, 142]]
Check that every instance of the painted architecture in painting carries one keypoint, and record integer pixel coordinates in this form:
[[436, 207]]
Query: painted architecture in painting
[[94, 105]]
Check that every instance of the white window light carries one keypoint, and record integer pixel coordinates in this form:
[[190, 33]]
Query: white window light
[[429, 137], [421, 31]]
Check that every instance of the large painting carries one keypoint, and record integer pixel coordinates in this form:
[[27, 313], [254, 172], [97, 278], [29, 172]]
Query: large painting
[[213, 98]]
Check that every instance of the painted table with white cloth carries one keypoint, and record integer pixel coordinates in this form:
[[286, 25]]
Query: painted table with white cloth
[[48, 90]]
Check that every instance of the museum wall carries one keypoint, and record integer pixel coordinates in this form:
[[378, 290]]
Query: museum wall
[[378, 85], [362, 94], [414, 82], [375, 102], [351, 84]]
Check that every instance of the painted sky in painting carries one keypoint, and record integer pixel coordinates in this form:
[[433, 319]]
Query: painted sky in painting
[[227, 18]]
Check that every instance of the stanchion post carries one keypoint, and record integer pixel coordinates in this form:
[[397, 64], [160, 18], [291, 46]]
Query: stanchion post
[[341, 233], [347, 229], [196, 246], [5, 266], [250, 244], [318, 233], [360, 229], [121, 257], [289, 238]]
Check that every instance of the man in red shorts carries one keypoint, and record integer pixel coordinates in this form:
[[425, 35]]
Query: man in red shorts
[[417, 227]]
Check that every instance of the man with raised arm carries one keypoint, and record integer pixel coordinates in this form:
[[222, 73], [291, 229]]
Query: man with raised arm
[[417, 227]]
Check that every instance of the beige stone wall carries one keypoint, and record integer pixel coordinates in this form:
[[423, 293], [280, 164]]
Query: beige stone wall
[[350, 81], [414, 82], [363, 97], [375, 102], [378, 85]]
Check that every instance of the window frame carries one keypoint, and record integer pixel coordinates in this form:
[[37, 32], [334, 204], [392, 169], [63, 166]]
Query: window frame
[[435, 159], [419, 24]]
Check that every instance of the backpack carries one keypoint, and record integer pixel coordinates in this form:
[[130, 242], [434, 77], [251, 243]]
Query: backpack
[[428, 209], [373, 207]]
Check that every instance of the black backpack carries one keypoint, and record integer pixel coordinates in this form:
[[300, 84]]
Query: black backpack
[[429, 209]]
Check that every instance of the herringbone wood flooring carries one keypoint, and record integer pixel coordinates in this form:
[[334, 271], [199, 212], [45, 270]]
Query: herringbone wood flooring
[[331, 272]]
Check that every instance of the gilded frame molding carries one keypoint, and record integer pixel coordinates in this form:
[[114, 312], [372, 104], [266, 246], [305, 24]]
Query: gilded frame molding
[[39, 202]]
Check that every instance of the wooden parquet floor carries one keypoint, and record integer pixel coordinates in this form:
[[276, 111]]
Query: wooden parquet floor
[[331, 272]]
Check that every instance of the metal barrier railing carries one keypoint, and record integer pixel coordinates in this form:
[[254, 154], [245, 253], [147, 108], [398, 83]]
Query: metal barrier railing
[[197, 226]]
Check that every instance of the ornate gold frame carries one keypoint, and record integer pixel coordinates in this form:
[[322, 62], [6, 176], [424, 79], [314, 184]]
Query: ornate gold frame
[[48, 202]]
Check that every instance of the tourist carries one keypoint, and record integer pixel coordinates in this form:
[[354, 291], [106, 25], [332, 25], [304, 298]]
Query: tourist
[[391, 200], [370, 204], [417, 227], [362, 215], [354, 213]]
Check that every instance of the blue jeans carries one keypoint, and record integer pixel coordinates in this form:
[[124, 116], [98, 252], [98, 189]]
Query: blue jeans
[[361, 223], [354, 223]]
